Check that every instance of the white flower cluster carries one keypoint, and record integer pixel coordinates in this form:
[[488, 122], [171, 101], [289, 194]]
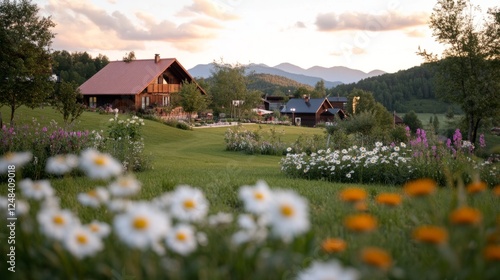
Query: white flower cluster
[[135, 120], [343, 164]]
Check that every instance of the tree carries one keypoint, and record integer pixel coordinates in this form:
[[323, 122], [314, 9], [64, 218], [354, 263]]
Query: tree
[[412, 121], [470, 65], [367, 103], [435, 123], [25, 65], [319, 90], [129, 57], [228, 84], [67, 100], [192, 100]]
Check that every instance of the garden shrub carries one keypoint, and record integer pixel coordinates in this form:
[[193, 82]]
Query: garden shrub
[[44, 142]]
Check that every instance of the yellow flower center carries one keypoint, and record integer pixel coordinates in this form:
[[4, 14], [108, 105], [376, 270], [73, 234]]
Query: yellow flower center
[[82, 238], [8, 156], [124, 183], [287, 210], [36, 186], [100, 160], [58, 220], [181, 236], [259, 196], [92, 193], [140, 223], [189, 204], [60, 159]]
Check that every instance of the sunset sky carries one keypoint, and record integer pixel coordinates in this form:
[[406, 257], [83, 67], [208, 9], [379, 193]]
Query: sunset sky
[[360, 34]]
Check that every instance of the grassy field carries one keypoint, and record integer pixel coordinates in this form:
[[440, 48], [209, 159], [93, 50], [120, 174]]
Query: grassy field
[[198, 158]]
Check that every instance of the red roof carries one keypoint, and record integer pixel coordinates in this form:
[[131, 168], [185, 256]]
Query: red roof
[[119, 77]]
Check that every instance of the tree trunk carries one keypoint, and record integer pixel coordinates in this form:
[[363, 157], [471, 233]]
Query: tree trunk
[[474, 134], [12, 110]]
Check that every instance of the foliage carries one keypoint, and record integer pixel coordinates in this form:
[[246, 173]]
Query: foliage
[[24, 55], [254, 142], [192, 100], [394, 163], [77, 67], [227, 84], [44, 142], [319, 90], [129, 57], [272, 84], [177, 124], [67, 101], [412, 121], [124, 141], [469, 70]]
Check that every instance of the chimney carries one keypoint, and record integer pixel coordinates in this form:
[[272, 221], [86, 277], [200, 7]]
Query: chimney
[[157, 58], [306, 98]]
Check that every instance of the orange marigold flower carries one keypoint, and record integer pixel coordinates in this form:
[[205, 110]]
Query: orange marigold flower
[[496, 190], [376, 257], [466, 216], [390, 199], [492, 253], [361, 222], [333, 245], [430, 234], [353, 194], [476, 187], [420, 187]]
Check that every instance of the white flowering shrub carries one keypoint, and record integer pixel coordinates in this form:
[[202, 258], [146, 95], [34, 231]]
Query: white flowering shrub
[[124, 141]]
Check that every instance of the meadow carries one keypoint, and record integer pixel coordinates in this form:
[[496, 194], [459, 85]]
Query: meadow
[[198, 158]]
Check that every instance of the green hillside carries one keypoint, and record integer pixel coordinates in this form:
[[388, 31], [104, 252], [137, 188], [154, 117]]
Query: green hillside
[[413, 89], [274, 84]]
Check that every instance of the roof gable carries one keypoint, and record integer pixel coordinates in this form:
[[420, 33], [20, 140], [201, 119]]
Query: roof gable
[[119, 77], [302, 106]]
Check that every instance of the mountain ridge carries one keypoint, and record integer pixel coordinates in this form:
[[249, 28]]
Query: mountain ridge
[[332, 76]]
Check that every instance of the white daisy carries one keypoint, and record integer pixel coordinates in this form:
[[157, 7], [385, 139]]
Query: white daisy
[[18, 159], [328, 270], [37, 190], [182, 239], [141, 227], [220, 218], [100, 229], [118, 205], [97, 165], [61, 164], [55, 223], [250, 229], [188, 204], [125, 186], [256, 198], [289, 214], [22, 207], [81, 242], [94, 198]]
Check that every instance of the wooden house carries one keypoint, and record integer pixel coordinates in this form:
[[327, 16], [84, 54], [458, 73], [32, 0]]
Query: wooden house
[[136, 84], [311, 111]]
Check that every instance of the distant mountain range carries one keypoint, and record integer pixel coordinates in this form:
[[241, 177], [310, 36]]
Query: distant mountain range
[[332, 76]]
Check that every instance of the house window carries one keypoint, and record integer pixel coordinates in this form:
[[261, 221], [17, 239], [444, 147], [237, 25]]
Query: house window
[[92, 101], [166, 100], [145, 102]]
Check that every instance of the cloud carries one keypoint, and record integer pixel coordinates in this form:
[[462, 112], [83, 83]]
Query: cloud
[[417, 33], [300, 24], [348, 50], [208, 8], [391, 20], [81, 25]]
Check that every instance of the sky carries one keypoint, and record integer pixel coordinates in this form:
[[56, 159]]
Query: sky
[[359, 34]]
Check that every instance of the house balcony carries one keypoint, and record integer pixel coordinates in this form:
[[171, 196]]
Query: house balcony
[[163, 88]]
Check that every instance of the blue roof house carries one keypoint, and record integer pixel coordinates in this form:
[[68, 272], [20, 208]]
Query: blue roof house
[[311, 111]]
